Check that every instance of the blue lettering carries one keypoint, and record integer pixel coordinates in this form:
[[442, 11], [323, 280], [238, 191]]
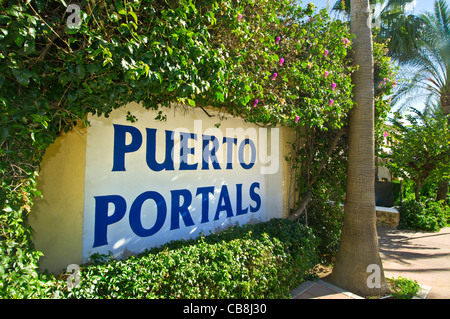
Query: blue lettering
[[185, 150], [151, 151], [102, 220], [255, 197], [210, 153], [120, 148], [224, 197], [182, 210], [205, 191], [136, 211], [247, 141], [230, 141], [181, 201], [239, 210]]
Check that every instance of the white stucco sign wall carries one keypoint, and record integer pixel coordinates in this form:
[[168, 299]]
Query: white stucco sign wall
[[150, 182]]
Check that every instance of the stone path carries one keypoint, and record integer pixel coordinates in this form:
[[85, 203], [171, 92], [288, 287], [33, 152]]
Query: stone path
[[420, 256]]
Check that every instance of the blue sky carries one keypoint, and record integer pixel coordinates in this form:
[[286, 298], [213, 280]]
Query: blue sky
[[421, 5]]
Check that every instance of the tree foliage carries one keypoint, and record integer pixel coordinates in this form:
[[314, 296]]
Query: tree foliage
[[396, 25], [420, 148], [429, 64]]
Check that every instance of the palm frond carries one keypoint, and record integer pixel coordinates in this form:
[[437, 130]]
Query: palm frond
[[442, 14], [430, 64]]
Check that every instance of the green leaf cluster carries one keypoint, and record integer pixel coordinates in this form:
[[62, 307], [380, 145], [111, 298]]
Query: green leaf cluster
[[403, 288]]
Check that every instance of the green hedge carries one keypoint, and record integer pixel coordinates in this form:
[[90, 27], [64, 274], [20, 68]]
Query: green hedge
[[326, 221], [427, 215], [265, 260]]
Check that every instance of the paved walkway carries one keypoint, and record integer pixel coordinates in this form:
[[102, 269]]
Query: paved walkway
[[420, 256], [321, 290]]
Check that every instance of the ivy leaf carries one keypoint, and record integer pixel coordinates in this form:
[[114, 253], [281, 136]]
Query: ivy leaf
[[40, 4], [19, 40], [4, 133], [4, 19], [29, 47], [131, 13], [81, 72], [220, 96]]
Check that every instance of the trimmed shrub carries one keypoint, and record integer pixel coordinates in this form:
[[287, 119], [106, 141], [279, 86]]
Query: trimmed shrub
[[427, 216], [265, 260]]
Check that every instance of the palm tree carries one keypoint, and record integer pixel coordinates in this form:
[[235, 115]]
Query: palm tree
[[396, 25], [430, 66], [359, 250]]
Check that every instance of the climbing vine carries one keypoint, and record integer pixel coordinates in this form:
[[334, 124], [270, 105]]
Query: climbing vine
[[319, 154], [268, 61]]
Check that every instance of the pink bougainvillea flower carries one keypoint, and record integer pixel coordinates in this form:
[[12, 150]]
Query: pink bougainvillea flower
[[346, 41], [326, 74], [385, 134], [274, 76], [333, 86], [239, 17], [326, 53], [281, 61], [277, 40], [296, 119], [331, 102], [256, 102]]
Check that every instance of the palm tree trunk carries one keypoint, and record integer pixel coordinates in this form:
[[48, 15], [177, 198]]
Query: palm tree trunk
[[359, 250]]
